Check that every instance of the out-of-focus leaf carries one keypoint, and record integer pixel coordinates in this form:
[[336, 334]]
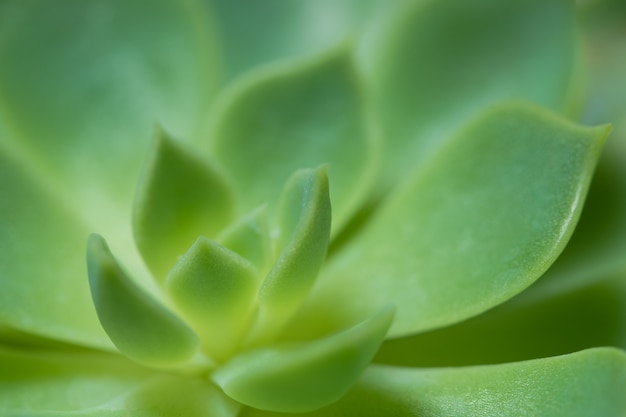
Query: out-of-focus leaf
[[180, 198], [298, 116], [433, 64], [214, 289], [254, 33], [303, 376], [583, 384], [82, 85], [305, 219], [137, 324], [43, 278], [480, 223], [33, 381]]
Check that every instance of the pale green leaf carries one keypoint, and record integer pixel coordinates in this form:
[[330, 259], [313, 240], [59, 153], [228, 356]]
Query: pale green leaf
[[180, 198], [214, 289], [583, 384], [433, 64], [34, 380], [250, 238], [305, 219], [478, 224], [298, 116], [138, 325], [254, 33], [82, 85], [303, 376], [43, 278], [543, 321]]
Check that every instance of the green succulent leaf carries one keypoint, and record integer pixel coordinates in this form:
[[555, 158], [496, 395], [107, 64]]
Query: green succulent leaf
[[214, 289], [250, 238], [297, 116], [305, 219], [43, 281], [180, 198], [583, 384], [254, 33], [138, 325], [543, 321], [33, 381], [477, 225], [435, 63], [91, 384], [82, 84], [303, 376]]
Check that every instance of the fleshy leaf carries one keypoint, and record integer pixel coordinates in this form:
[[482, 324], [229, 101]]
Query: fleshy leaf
[[583, 384], [250, 238], [180, 198], [137, 324], [542, 321], [297, 116], [82, 85], [303, 376], [253, 33], [43, 286], [305, 219], [481, 222], [434, 64], [214, 289], [33, 381]]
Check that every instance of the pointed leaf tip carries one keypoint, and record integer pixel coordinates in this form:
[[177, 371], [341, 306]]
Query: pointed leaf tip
[[305, 220], [304, 376], [138, 325], [180, 198], [214, 288]]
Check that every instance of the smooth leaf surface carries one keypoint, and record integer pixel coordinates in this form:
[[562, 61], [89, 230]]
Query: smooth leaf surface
[[250, 238], [481, 222], [138, 325], [43, 279], [583, 384], [214, 289], [33, 381], [303, 376], [180, 198], [253, 33], [305, 219], [297, 116], [542, 321], [82, 85], [433, 64]]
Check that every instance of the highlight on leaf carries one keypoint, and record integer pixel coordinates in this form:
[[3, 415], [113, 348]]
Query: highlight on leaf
[[180, 198], [139, 326]]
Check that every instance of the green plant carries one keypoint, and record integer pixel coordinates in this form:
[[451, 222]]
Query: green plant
[[436, 134]]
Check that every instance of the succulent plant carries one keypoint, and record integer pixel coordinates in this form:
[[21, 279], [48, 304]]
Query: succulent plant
[[322, 208]]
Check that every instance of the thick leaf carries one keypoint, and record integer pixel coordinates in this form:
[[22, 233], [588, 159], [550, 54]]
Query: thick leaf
[[138, 325], [303, 376], [255, 33], [63, 381], [214, 289], [297, 116], [305, 219], [250, 238], [545, 320], [435, 63], [88, 384], [82, 85], [481, 222], [583, 384], [180, 198], [43, 278]]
